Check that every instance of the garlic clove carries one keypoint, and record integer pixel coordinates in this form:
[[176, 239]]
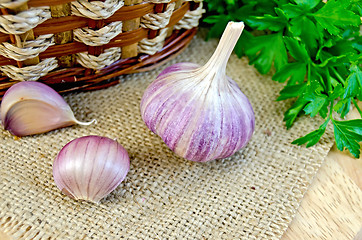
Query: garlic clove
[[29, 108], [90, 167], [199, 112]]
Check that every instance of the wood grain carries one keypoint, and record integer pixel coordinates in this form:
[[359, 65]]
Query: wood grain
[[4, 236], [332, 207], [351, 166]]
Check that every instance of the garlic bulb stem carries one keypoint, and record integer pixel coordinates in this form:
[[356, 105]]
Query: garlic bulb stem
[[218, 61]]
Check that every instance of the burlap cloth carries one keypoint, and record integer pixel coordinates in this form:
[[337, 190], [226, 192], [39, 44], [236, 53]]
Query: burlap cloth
[[251, 195]]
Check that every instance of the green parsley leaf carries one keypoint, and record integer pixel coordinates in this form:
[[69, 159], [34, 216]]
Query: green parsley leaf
[[334, 83], [333, 61], [348, 134], [324, 110], [218, 28], [337, 91], [358, 45], [300, 8], [243, 43], [216, 5], [343, 107], [244, 12], [291, 114], [262, 6], [296, 49], [266, 49], [313, 137], [357, 7], [274, 23], [230, 2], [296, 71], [316, 103], [316, 82], [344, 47], [292, 10], [357, 107], [354, 81], [307, 31], [333, 16], [307, 4], [321, 54], [291, 91]]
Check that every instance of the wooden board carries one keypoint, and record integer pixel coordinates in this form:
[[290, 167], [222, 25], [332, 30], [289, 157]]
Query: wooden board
[[3, 236], [332, 207]]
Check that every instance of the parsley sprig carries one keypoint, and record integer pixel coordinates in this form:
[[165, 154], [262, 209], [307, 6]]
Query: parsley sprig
[[315, 48]]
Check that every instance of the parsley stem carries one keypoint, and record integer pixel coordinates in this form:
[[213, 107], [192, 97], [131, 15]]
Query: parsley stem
[[329, 84], [308, 80], [356, 105], [331, 111], [338, 76]]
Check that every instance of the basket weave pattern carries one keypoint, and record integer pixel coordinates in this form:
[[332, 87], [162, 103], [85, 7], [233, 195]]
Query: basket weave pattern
[[72, 45]]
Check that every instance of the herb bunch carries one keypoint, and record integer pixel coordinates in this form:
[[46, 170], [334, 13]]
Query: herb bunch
[[315, 48]]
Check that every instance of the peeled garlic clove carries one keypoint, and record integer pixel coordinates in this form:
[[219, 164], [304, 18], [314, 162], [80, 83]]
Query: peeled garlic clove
[[90, 167], [200, 112], [32, 107]]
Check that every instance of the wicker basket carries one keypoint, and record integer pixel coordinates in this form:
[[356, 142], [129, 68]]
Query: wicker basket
[[84, 45]]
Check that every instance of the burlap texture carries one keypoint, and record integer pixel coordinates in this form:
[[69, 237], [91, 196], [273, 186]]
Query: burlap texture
[[251, 195]]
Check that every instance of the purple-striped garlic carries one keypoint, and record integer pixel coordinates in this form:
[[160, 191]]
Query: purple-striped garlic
[[200, 112], [89, 168], [30, 107]]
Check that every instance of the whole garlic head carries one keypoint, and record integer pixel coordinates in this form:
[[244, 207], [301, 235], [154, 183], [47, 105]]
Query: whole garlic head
[[200, 112]]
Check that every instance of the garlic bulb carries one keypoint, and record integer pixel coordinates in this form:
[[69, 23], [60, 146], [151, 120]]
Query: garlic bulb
[[30, 107], [199, 112], [89, 168]]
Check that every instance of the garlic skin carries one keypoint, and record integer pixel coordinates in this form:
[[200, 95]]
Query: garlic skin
[[31, 107], [199, 112], [89, 168]]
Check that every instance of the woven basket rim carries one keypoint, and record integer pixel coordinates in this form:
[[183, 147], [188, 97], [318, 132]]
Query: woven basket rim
[[157, 40]]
